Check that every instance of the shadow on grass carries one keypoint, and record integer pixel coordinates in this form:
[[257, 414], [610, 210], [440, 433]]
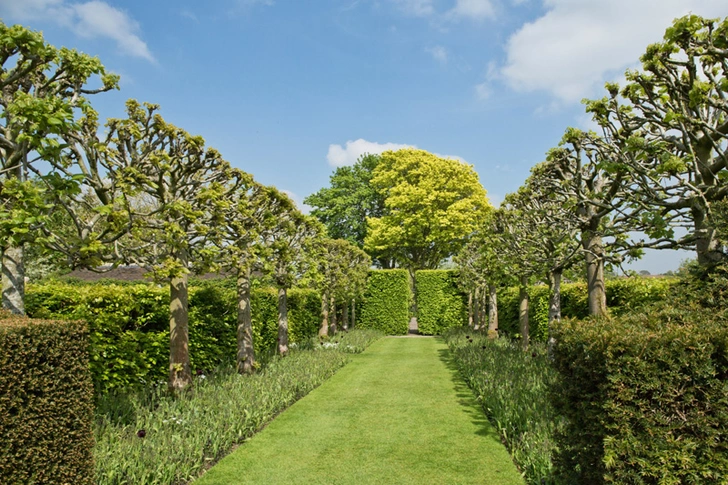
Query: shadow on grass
[[466, 398]]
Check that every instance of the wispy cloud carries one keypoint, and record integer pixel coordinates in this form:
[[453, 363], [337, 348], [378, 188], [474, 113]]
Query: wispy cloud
[[94, 19], [439, 53], [339, 156]]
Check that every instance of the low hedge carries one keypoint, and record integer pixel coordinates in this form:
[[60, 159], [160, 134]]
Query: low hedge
[[46, 402], [623, 295], [129, 324], [645, 398], [385, 306], [441, 304]]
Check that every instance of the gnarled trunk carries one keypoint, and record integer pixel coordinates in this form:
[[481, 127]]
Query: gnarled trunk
[[353, 312], [282, 321], [707, 245], [477, 313], [554, 304], [470, 308], [345, 317], [523, 311], [492, 311], [594, 252], [324, 329], [332, 315], [180, 374], [246, 352], [13, 271]]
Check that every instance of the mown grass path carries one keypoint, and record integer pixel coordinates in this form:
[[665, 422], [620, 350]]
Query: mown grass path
[[397, 414]]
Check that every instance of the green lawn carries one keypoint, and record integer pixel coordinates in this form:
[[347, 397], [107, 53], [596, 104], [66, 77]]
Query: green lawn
[[398, 413]]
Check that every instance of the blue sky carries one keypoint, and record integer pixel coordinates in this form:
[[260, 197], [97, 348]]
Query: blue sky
[[287, 90]]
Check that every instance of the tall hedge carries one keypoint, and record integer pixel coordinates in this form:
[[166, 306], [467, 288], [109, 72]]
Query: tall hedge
[[46, 402], [385, 306], [623, 295], [645, 398], [129, 324], [441, 304]]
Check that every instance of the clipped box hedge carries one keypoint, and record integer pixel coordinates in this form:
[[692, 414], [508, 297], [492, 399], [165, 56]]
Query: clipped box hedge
[[129, 324], [441, 304], [385, 306], [645, 398], [46, 402], [623, 295]]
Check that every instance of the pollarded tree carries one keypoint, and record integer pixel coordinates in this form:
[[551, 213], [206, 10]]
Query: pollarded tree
[[182, 191], [286, 257], [670, 127], [584, 178], [41, 87], [344, 269], [433, 205], [345, 206]]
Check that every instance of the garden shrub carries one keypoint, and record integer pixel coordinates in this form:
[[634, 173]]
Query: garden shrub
[[129, 324], [46, 402], [623, 295], [441, 304], [645, 398], [386, 302]]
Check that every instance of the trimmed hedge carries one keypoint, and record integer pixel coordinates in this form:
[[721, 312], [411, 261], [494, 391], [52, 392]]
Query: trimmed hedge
[[645, 398], [46, 402], [623, 295], [441, 304], [129, 325], [386, 302]]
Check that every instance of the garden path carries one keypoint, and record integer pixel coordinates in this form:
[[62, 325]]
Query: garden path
[[397, 414]]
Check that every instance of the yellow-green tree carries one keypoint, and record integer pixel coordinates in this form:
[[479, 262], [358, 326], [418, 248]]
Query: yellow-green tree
[[433, 206]]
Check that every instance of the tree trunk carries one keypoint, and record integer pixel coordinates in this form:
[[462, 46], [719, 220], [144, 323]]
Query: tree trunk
[[332, 305], [413, 291], [492, 311], [477, 313], [324, 329], [13, 272], [282, 321], [470, 308], [246, 352], [180, 374], [353, 312], [594, 252], [345, 316], [523, 311], [706, 245], [554, 304]]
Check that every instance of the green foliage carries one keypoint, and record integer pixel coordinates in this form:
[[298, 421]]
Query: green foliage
[[623, 295], [184, 436], [512, 386], [644, 398], [46, 402], [386, 302], [433, 205], [440, 303], [129, 325], [353, 341]]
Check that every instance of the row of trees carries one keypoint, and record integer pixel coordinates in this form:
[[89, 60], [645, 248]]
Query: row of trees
[[143, 192], [658, 166]]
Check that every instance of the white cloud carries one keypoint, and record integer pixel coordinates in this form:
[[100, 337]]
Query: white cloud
[[439, 53], [483, 91], [473, 9], [577, 45], [94, 19], [339, 156]]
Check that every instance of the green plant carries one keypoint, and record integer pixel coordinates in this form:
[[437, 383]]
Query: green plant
[[150, 437], [441, 304], [512, 386], [386, 302], [46, 402], [644, 397]]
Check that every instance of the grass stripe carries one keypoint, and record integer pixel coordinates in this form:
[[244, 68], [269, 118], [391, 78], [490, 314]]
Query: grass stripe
[[398, 413]]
